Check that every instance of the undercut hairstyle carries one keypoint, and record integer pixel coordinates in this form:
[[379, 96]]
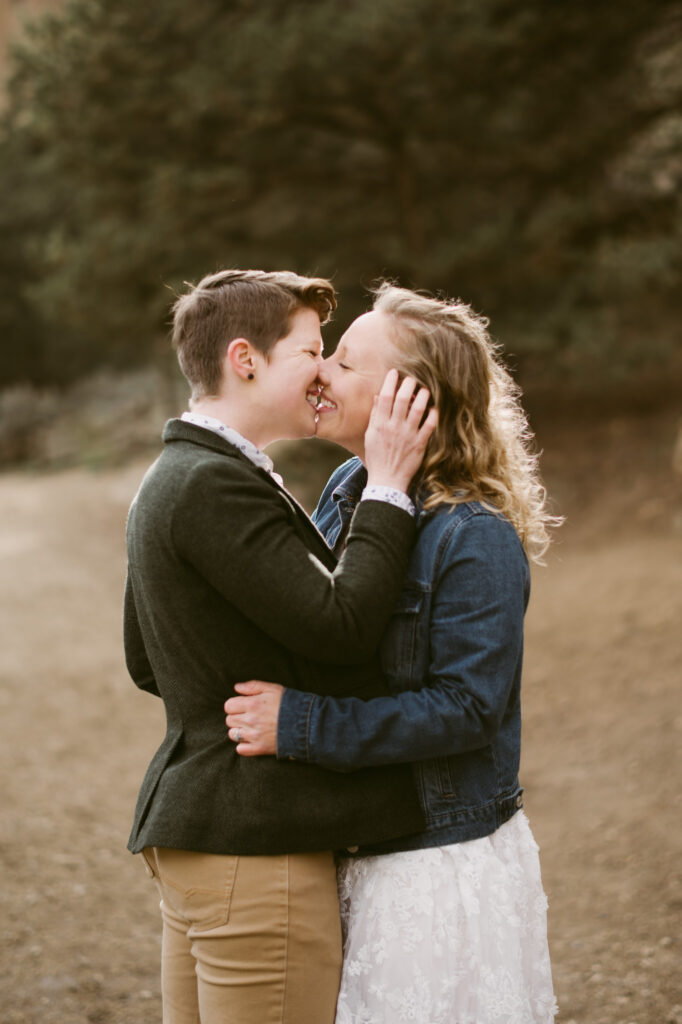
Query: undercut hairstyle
[[482, 447], [252, 304]]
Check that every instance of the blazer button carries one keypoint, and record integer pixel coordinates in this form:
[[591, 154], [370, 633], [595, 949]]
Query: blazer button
[[352, 849], [519, 800], [291, 757]]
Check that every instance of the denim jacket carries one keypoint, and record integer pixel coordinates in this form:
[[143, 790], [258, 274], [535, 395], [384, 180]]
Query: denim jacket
[[452, 657]]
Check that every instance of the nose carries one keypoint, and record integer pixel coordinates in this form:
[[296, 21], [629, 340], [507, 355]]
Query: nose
[[323, 372]]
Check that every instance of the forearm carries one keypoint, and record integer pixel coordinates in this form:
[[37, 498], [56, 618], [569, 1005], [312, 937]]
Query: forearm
[[344, 734], [241, 537], [355, 610], [475, 644]]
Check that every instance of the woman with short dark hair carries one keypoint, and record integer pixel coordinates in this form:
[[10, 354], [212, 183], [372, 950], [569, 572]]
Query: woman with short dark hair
[[228, 578]]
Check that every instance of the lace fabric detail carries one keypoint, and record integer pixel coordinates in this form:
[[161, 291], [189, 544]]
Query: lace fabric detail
[[447, 935]]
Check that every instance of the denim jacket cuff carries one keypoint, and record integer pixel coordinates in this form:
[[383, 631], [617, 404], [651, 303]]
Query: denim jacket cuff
[[293, 725]]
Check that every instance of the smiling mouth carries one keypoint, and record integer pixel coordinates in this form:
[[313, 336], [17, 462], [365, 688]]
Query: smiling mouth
[[318, 400]]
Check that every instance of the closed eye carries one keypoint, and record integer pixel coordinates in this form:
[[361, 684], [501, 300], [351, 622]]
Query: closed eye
[[344, 367]]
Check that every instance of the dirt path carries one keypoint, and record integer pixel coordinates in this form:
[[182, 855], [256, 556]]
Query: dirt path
[[602, 727]]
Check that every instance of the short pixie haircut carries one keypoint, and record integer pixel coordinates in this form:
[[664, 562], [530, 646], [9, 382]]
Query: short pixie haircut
[[252, 304]]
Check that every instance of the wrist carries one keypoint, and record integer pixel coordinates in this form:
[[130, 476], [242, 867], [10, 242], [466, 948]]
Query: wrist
[[391, 495], [292, 725]]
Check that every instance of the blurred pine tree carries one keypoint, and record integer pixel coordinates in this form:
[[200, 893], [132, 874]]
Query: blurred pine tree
[[523, 155]]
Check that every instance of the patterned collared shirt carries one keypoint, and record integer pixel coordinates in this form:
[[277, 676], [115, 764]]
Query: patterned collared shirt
[[245, 446]]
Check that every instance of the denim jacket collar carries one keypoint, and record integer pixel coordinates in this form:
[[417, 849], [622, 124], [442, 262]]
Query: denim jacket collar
[[351, 485], [348, 491]]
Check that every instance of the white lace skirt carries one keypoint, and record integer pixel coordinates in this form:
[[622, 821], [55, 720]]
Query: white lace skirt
[[448, 935]]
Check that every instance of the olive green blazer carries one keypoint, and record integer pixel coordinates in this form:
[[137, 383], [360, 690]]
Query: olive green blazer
[[228, 580]]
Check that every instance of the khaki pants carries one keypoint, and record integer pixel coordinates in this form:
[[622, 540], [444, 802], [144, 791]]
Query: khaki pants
[[248, 940]]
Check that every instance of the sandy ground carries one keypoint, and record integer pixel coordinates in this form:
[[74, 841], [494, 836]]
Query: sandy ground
[[602, 728]]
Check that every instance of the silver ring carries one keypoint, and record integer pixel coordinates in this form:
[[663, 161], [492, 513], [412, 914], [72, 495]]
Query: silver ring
[[237, 736]]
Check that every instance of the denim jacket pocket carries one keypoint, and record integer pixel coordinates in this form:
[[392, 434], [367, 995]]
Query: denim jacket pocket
[[400, 642], [446, 782], [465, 778]]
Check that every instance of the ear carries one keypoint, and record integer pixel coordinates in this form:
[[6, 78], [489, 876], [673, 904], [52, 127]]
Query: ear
[[240, 356]]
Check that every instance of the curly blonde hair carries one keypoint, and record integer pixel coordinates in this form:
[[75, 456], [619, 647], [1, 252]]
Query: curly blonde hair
[[481, 448]]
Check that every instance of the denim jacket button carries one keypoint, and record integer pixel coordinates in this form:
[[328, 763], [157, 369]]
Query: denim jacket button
[[352, 849], [519, 800]]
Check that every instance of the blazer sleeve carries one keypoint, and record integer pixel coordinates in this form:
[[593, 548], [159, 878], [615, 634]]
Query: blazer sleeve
[[476, 643], [137, 661], [239, 533]]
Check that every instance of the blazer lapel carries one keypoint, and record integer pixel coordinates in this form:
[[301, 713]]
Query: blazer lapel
[[321, 548], [181, 430]]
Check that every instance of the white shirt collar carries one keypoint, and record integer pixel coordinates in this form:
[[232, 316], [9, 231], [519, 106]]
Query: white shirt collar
[[245, 446]]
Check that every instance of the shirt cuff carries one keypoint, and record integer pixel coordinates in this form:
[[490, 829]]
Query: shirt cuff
[[293, 724], [391, 495]]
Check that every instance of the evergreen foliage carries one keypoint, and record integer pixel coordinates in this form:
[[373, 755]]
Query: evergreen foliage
[[524, 155]]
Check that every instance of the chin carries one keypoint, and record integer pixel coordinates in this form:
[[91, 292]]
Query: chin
[[296, 431], [324, 428], [309, 430], [327, 433]]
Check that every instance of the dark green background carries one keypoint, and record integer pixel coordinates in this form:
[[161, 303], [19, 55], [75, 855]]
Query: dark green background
[[525, 155]]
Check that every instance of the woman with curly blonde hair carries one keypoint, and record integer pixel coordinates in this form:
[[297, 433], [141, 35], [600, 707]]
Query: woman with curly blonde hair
[[447, 926], [482, 441]]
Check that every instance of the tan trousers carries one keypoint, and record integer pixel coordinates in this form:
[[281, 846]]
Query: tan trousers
[[248, 940]]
